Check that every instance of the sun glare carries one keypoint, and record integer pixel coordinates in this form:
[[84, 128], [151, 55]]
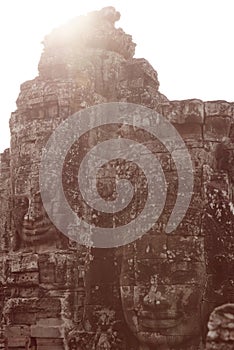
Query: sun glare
[[188, 43]]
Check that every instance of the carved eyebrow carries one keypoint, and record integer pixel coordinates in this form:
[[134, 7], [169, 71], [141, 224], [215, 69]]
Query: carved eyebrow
[[181, 271], [27, 194]]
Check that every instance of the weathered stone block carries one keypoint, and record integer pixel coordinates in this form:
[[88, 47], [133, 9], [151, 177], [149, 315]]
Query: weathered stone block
[[17, 331], [48, 343], [186, 111], [24, 278], [24, 263], [216, 128], [187, 248], [139, 73], [19, 343], [46, 332], [150, 246], [191, 133], [219, 108]]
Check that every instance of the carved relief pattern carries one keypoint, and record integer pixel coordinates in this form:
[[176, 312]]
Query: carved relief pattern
[[157, 292]]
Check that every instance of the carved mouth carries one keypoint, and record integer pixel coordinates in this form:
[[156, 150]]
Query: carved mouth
[[159, 320], [36, 232], [34, 228]]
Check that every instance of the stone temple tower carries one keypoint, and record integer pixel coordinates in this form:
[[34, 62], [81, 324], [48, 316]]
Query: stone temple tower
[[57, 294]]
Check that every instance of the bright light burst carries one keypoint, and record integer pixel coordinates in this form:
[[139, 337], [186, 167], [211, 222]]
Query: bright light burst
[[189, 43]]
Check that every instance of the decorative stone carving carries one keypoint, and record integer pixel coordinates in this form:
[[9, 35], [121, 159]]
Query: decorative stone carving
[[221, 328], [155, 292], [162, 288]]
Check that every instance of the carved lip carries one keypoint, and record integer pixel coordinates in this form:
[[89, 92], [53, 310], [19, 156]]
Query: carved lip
[[159, 320], [36, 227], [36, 232]]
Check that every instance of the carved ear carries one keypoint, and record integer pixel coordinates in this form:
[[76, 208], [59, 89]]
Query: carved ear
[[220, 266], [222, 156]]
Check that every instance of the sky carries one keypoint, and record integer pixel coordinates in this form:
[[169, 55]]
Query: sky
[[188, 42]]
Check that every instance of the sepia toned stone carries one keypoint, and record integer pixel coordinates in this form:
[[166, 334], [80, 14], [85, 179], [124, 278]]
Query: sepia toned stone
[[221, 325], [159, 290], [219, 108], [216, 128]]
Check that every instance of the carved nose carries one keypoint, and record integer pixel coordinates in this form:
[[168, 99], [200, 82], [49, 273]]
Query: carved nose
[[159, 303], [31, 214], [155, 299]]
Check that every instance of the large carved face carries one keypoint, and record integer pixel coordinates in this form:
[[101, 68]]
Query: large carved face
[[30, 130], [162, 282], [31, 223]]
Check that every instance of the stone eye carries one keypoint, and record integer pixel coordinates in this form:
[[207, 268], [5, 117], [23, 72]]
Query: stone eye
[[181, 276], [22, 202]]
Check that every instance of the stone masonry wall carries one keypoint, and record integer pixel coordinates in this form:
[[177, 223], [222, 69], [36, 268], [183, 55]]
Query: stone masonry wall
[[221, 325], [56, 294]]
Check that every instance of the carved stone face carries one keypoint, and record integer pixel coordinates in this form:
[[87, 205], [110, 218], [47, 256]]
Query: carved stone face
[[31, 221], [31, 224], [161, 291]]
